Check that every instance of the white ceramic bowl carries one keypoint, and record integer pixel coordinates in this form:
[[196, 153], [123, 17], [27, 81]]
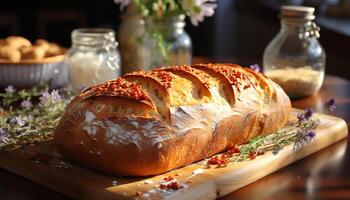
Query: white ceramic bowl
[[29, 73]]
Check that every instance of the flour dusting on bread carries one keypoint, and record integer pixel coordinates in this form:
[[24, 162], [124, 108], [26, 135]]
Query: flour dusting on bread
[[118, 132]]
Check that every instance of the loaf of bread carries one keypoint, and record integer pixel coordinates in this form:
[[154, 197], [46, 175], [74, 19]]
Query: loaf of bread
[[147, 123]]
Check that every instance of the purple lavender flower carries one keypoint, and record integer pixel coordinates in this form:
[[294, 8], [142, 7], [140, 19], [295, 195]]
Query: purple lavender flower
[[308, 113], [18, 121], [27, 104], [300, 117], [10, 89], [55, 96], [45, 97], [311, 134], [330, 104], [255, 68], [4, 137]]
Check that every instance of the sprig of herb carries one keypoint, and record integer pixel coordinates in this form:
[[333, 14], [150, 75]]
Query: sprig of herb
[[29, 115], [298, 133], [11, 96]]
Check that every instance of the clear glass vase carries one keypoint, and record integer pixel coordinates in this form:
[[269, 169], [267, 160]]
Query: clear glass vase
[[165, 42], [162, 42], [294, 58]]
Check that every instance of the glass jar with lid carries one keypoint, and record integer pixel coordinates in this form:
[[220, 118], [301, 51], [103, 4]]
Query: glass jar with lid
[[93, 58], [294, 58]]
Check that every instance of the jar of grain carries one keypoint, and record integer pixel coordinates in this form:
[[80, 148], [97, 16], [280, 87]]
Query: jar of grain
[[294, 58]]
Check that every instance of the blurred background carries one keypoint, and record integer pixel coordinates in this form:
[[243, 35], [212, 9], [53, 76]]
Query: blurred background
[[239, 31]]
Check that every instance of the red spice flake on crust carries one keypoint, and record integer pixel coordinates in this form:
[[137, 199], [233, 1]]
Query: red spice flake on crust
[[184, 68], [173, 185], [120, 87], [252, 155], [233, 150], [221, 160], [187, 69], [164, 77], [235, 77], [169, 178]]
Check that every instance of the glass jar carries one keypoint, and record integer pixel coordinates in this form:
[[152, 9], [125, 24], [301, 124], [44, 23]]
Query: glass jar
[[93, 58], [295, 59], [129, 34], [165, 42]]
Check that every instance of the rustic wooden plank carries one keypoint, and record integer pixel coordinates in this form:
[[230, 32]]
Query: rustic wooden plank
[[82, 183]]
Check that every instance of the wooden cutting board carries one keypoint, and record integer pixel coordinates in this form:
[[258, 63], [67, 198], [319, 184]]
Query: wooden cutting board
[[82, 183]]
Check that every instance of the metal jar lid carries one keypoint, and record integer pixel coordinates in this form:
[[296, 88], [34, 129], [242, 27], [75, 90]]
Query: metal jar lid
[[94, 37], [298, 12]]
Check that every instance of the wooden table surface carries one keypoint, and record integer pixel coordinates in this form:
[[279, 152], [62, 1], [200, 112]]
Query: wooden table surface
[[323, 175]]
